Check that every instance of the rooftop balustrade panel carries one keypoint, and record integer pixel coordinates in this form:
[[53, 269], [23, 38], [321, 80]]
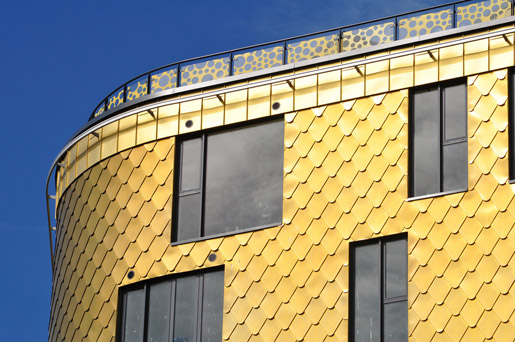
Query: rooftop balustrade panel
[[203, 71], [366, 36], [431, 22], [258, 59], [163, 79], [313, 47], [482, 11]]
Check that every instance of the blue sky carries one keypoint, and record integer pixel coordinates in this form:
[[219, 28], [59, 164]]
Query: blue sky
[[58, 59]]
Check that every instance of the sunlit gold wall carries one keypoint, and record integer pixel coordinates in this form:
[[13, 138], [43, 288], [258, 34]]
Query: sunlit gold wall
[[345, 179]]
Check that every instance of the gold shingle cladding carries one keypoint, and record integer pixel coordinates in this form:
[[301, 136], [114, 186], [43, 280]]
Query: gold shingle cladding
[[345, 179]]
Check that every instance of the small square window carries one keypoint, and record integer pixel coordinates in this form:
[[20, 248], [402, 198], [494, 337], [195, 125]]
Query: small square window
[[229, 180], [438, 139], [378, 289], [185, 308]]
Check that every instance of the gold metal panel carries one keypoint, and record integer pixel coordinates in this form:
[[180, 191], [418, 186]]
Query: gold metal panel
[[401, 72], [471, 284], [285, 315], [147, 128], [255, 321], [424, 331], [504, 279], [451, 62], [426, 67], [471, 312], [127, 133], [270, 305], [82, 157], [377, 77], [330, 321], [501, 51], [476, 56], [236, 106], [504, 332], [453, 227], [282, 93], [190, 119], [285, 289], [300, 326], [259, 102], [305, 92], [168, 121], [213, 111], [329, 87], [439, 317], [504, 307], [456, 328], [488, 324], [353, 82]]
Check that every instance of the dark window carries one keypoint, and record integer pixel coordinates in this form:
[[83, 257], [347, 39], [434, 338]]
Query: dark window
[[181, 309], [438, 139], [378, 289], [229, 180]]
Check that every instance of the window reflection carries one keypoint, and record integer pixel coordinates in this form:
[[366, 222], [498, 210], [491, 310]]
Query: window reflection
[[378, 289], [439, 139], [241, 183], [186, 308]]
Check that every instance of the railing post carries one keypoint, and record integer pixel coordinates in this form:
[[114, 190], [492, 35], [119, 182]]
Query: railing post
[[125, 93], [148, 83], [454, 16], [178, 75], [396, 29], [285, 51], [231, 59], [340, 34]]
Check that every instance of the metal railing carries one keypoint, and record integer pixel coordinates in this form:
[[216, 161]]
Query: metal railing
[[309, 46]]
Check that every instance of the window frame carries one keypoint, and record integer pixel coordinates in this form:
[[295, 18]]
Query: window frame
[[381, 241], [511, 123], [203, 134], [440, 86], [145, 286]]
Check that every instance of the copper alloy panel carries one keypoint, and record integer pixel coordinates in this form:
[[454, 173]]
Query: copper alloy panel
[[345, 179]]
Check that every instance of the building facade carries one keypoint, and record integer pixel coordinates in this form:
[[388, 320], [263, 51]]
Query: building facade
[[354, 184]]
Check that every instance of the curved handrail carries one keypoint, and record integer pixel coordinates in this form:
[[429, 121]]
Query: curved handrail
[[174, 73]]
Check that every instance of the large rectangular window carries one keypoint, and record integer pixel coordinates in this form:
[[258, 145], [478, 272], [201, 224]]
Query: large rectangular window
[[438, 148], [378, 289], [229, 180], [181, 309]]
